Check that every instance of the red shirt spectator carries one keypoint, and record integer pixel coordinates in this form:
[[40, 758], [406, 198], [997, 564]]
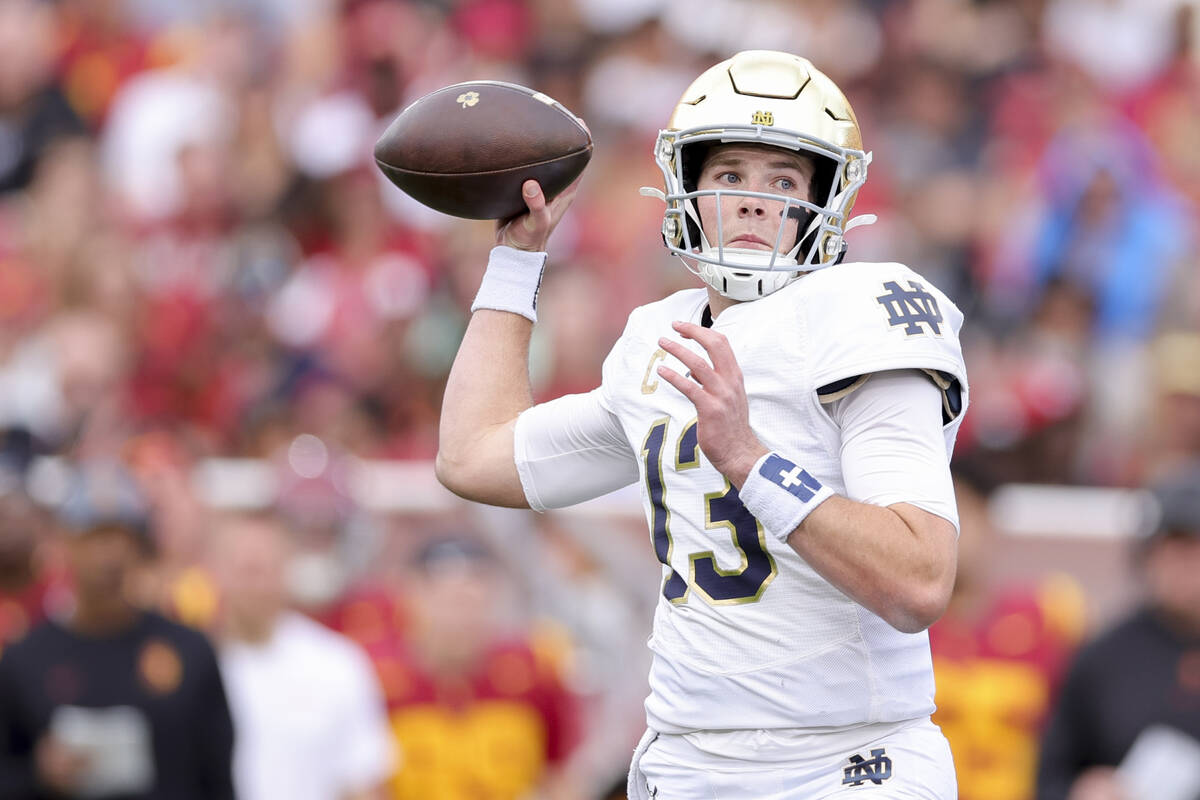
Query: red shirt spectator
[[476, 714], [490, 732], [998, 655]]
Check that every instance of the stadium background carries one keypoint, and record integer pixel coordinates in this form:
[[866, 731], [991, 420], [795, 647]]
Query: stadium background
[[203, 275]]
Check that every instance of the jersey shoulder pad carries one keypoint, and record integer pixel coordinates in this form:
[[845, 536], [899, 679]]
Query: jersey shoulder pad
[[654, 319], [865, 318], [646, 324]]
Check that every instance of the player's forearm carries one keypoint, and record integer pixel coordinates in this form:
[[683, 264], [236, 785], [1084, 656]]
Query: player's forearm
[[487, 389], [898, 561]]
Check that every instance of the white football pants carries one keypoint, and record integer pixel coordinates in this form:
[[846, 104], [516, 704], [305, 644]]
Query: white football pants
[[892, 761]]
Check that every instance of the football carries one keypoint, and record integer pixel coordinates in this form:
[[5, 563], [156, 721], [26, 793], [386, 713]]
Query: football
[[466, 149]]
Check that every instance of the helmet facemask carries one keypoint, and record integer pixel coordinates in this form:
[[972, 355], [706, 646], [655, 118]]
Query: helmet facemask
[[840, 170]]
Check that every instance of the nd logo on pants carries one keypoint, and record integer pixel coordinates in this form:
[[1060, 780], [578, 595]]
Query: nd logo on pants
[[907, 760]]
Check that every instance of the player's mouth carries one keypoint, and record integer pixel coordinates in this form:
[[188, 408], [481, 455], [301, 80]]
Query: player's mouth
[[751, 241]]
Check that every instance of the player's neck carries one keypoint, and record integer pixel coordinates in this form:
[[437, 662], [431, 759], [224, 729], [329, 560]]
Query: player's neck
[[718, 302]]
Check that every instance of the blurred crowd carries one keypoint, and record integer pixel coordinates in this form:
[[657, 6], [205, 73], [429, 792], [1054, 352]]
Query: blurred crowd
[[195, 243], [199, 261]]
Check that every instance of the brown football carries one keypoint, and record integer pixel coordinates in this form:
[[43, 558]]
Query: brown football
[[466, 149]]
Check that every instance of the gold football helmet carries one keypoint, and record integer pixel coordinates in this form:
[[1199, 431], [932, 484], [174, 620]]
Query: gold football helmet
[[771, 98]]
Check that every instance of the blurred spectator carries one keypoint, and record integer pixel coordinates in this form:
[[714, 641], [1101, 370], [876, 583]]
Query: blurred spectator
[[157, 116], [237, 235], [307, 707], [369, 275], [647, 55], [595, 614], [180, 586], [30, 590], [1033, 392], [1115, 236], [112, 701], [33, 111], [1112, 226], [197, 250], [479, 714], [99, 49], [1174, 436], [1122, 43], [998, 653], [65, 377], [1127, 722]]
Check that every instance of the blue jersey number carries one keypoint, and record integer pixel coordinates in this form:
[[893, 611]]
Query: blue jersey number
[[743, 584]]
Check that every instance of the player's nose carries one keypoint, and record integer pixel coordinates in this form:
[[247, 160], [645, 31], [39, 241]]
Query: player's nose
[[751, 207]]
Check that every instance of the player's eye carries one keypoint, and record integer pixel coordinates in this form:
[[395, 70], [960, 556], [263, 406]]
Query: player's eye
[[787, 184], [728, 177]]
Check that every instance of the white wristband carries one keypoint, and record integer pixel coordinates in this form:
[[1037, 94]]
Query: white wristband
[[780, 494], [511, 282]]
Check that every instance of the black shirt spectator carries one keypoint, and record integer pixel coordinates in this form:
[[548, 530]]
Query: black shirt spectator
[[33, 109], [29, 129], [112, 702], [1142, 673], [166, 672], [1121, 684]]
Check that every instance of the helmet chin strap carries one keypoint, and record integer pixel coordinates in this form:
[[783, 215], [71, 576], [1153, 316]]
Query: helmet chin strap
[[744, 273], [741, 286]]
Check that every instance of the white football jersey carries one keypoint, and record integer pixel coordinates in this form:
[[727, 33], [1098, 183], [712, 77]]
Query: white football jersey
[[746, 634]]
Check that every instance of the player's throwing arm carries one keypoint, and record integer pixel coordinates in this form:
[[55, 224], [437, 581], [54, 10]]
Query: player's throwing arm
[[466, 150]]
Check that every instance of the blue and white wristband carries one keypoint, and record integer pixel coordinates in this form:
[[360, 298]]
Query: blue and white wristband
[[781, 495], [511, 282]]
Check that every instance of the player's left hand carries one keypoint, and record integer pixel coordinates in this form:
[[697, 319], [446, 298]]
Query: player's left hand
[[718, 392]]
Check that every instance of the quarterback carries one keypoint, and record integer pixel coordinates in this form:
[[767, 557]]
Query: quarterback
[[790, 425]]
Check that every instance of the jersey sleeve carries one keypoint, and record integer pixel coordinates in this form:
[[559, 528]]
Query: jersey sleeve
[[893, 447], [574, 448], [571, 449]]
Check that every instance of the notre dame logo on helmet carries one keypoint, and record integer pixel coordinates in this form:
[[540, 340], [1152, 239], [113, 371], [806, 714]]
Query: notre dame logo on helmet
[[763, 118]]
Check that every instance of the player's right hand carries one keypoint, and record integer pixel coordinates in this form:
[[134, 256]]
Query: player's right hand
[[531, 230], [718, 391]]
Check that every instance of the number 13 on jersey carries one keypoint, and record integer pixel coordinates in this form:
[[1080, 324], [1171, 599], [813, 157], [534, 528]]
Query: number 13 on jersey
[[722, 510]]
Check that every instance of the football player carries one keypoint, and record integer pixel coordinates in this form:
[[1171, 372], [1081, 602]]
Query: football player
[[790, 424]]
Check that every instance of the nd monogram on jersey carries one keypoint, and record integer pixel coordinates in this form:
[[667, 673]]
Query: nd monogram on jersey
[[746, 634]]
